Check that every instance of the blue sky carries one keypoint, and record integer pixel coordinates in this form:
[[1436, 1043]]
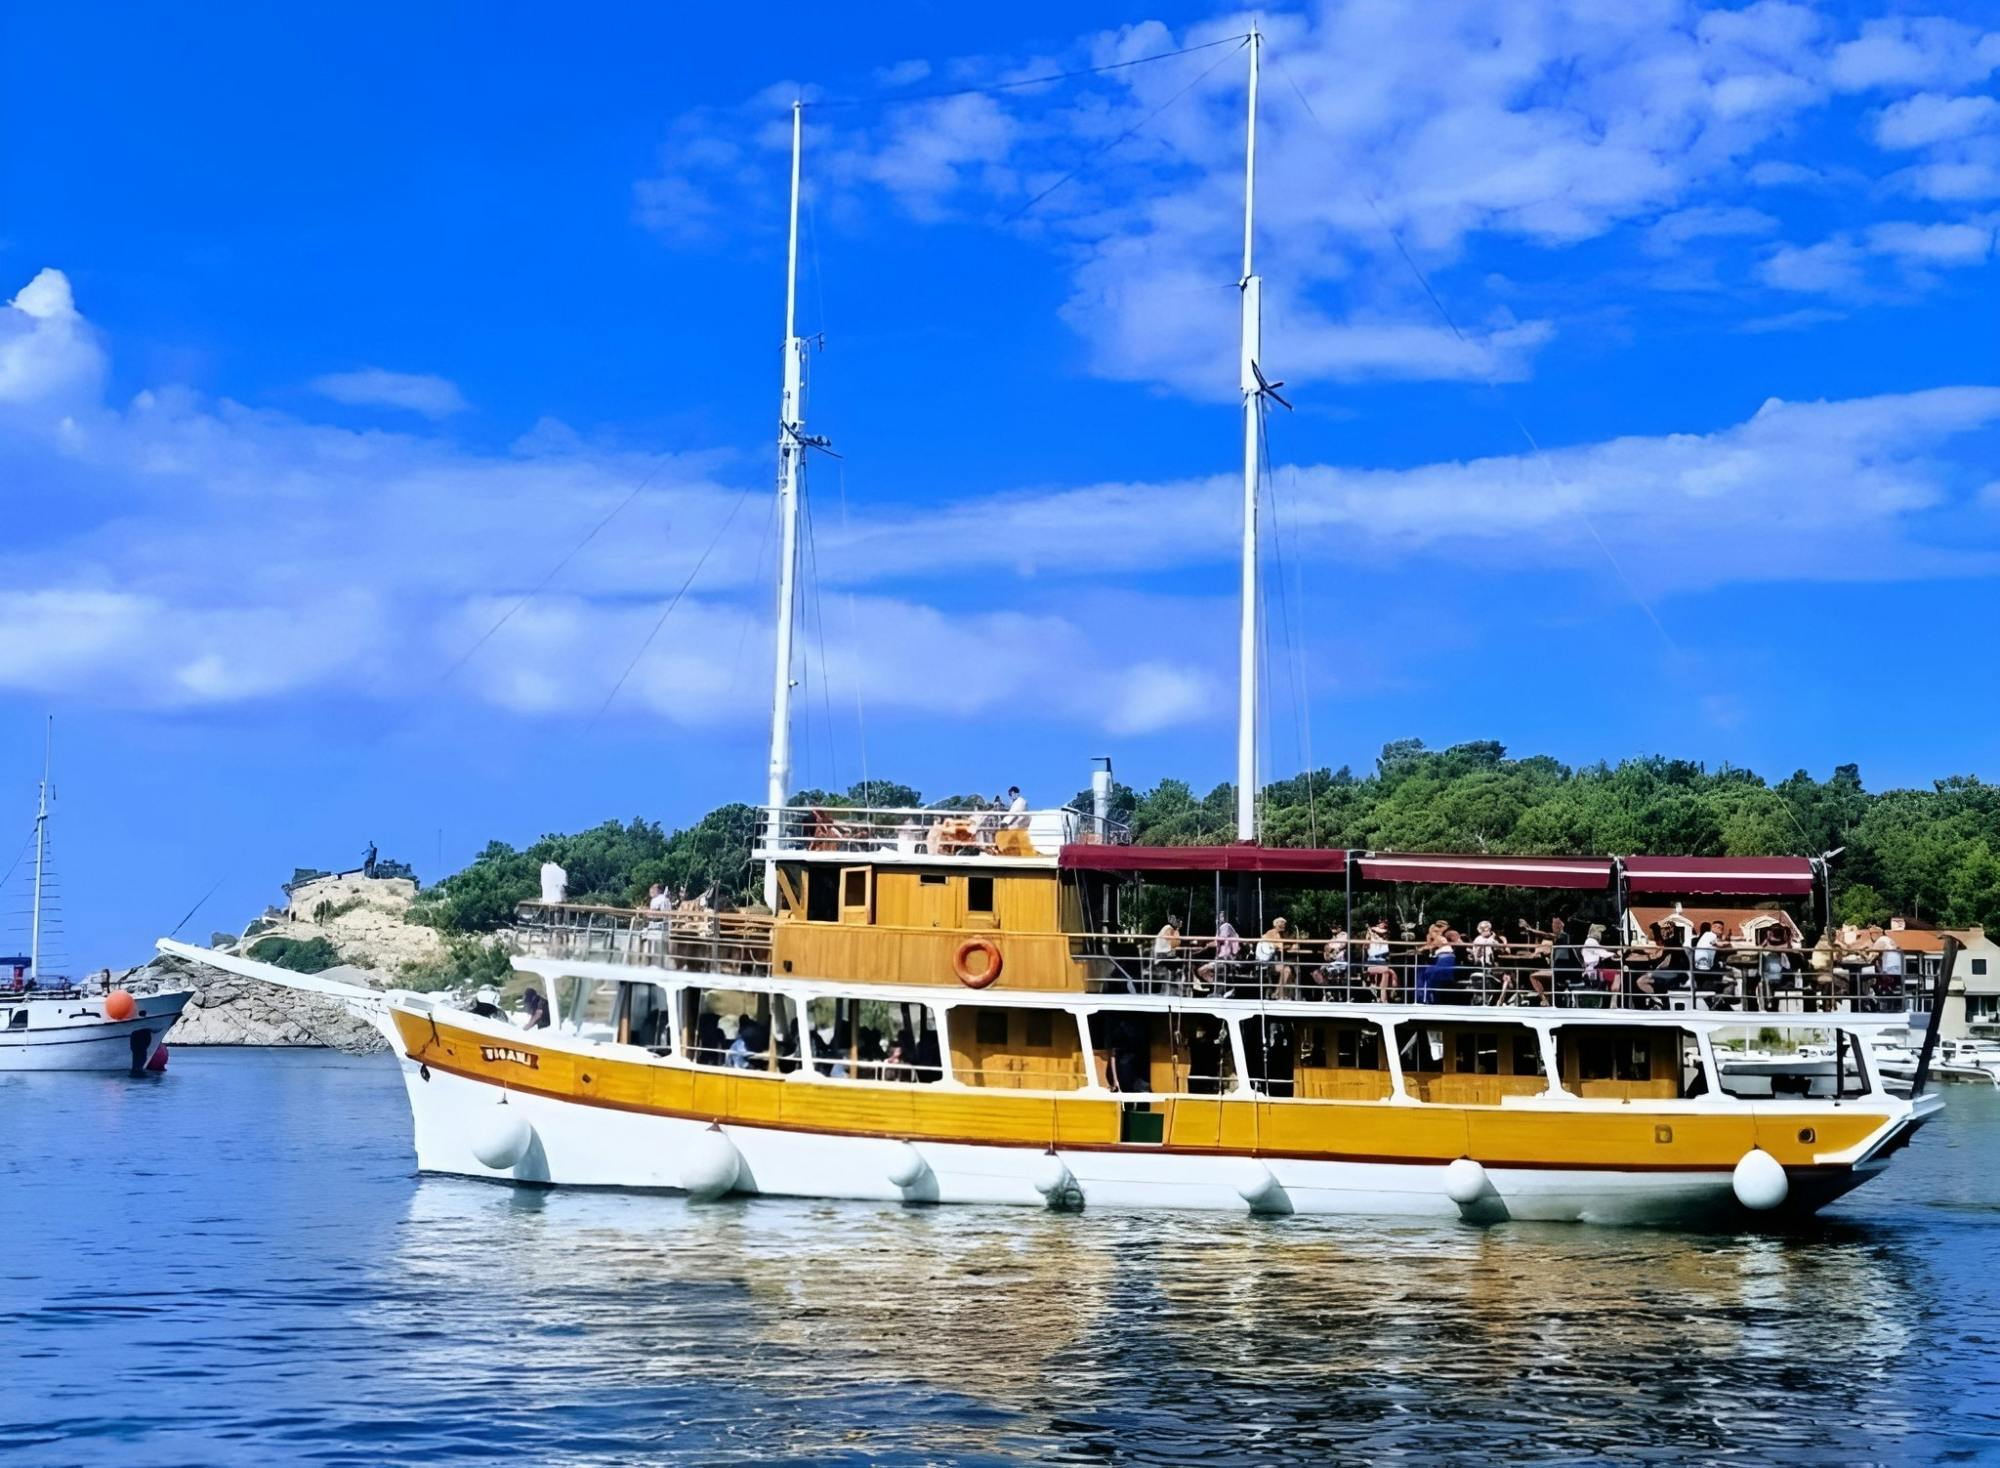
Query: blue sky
[[333, 332]]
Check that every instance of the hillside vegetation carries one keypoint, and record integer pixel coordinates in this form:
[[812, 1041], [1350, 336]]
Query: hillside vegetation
[[1929, 854]]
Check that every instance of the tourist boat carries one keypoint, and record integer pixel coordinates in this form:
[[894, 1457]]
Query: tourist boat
[[943, 1007], [50, 1023]]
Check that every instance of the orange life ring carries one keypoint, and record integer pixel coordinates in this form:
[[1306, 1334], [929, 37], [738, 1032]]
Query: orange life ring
[[966, 949]]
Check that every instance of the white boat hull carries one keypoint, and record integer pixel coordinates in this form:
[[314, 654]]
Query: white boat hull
[[574, 1145], [73, 1035]]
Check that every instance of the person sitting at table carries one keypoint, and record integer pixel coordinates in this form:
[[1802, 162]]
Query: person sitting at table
[[1599, 962], [1888, 970], [1440, 969], [1823, 961], [1276, 977], [1228, 948], [1774, 961], [1674, 969], [1484, 948], [1166, 952], [1332, 970], [1379, 973]]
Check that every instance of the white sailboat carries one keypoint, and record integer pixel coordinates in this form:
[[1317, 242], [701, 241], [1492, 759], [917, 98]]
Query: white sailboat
[[48, 1022]]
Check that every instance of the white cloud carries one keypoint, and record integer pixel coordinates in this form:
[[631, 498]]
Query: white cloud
[[1551, 124], [413, 392], [1831, 265], [48, 353], [1927, 118], [1914, 51], [1934, 244]]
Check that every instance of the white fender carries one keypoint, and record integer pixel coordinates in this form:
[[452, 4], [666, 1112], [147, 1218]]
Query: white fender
[[1760, 1181], [1052, 1177], [501, 1137], [1465, 1181], [710, 1165], [906, 1166], [1261, 1189]]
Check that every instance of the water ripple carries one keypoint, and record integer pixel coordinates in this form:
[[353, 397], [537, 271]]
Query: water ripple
[[279, 1287]]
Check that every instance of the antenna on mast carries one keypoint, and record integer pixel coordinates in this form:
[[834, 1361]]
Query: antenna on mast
[[792, 445], [1254, 387]]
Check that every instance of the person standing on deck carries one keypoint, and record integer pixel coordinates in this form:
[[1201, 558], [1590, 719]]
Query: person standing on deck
[[1017, 809]]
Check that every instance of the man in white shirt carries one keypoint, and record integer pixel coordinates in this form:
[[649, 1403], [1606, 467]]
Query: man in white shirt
[[1017, 809], [1705, 949]]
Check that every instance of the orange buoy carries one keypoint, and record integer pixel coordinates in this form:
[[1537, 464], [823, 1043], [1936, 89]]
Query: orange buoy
[[119, 1005], [980, 979]]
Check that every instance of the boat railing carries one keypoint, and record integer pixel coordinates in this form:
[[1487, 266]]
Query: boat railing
[[687, 937], [1761, 979], [918, 831]]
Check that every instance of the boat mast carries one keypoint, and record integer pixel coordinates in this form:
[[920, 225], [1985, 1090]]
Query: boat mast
[[1252, 383], [791, 471], [41, 854]]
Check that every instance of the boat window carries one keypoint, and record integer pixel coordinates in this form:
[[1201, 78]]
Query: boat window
[[19, 1021], [822, 897], [979, 894], [997, 1046], [1478, 1052], [735, 1030], [931, 879], [1341, 1060], [1979, 965], [1175, 1052], [1471, 1064], [1528, 1054], [1786, 1062], [1652, 1062], [872, 1040], [640, 1017]]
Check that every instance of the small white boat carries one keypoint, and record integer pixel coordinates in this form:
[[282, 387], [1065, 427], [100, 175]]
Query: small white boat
[[52, 1025], [67, 1029]]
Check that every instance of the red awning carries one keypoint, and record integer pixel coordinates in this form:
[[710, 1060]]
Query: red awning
[[1731, 876], [1579, 872], [1277, 859]]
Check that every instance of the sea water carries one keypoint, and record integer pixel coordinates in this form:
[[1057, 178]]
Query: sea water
[[236, 1263]]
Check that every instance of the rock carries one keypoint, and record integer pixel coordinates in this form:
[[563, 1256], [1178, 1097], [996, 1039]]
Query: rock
[[366, 919], [230, 1010]]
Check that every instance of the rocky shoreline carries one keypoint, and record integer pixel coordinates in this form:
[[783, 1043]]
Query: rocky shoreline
[[364, 920], [231, 1010]]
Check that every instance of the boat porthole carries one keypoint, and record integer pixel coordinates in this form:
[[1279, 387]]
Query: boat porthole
[[1807, 1134], [1663, 1134], [423, 1071], [586, 1078]]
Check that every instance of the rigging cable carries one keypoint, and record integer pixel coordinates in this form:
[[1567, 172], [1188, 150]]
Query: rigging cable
[[840, 479], [1130, 132], [728, 520], [1538, 453], [554, 571]]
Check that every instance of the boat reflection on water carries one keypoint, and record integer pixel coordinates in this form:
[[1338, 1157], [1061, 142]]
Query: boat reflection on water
[[946, 1330]]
